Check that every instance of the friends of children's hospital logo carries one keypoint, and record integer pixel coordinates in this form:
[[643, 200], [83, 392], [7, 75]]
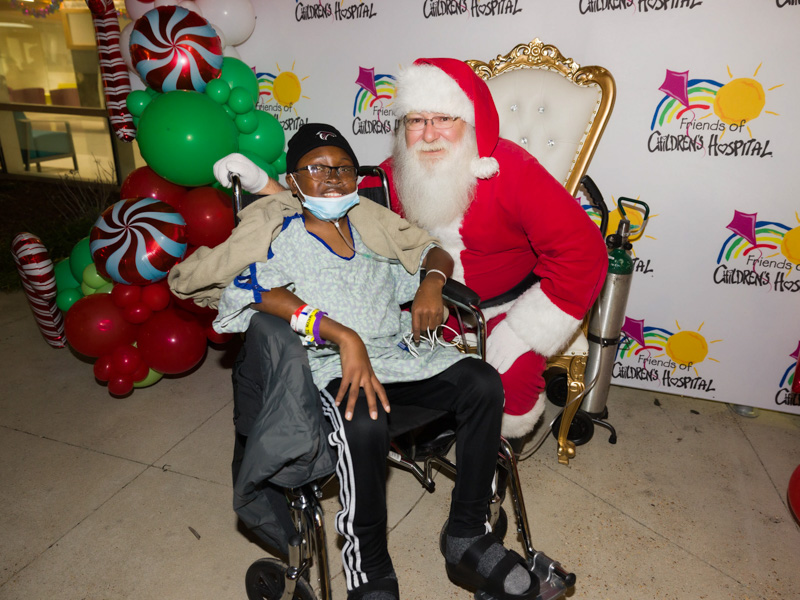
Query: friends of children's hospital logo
[[641, 6], [784, 394], [665, 358], [279, 93], [336, 11], [707, 117], [374, 97], [760, 253], [474, 8]]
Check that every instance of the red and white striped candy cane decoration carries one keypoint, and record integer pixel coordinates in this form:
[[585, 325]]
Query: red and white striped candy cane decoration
[[116, 80], [39, 282]]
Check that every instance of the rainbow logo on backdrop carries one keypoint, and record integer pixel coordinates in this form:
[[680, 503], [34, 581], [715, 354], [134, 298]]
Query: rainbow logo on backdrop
[[784, 395], [760, 253], [666, 358], [372, 113]]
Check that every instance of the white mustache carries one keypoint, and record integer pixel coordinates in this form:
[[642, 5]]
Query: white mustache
[[435, 146]]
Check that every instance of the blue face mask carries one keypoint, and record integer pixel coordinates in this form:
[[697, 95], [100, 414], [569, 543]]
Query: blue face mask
[[329, 209]]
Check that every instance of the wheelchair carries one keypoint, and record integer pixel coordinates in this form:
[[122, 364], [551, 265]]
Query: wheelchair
[[273, 579]]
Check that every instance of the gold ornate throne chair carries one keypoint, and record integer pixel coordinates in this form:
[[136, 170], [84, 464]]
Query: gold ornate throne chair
[[557, 110]]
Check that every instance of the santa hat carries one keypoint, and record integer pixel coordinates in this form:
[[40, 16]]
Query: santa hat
[[449, 86]]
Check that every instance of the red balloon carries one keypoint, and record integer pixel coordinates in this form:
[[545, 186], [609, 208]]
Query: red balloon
[[141, 372], [793, 493], [125, 295], [125, 360], [102, 368], [156, 296], [137, 313], [172, 341], [188, 304], [120, 385], [95, 326], [146, 183], [217, 338], [209, 216]]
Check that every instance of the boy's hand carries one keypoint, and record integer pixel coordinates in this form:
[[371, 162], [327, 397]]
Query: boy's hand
[[427, 310], [357, 373]]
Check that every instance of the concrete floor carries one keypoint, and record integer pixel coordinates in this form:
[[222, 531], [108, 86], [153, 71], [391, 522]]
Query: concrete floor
[[107, 498]]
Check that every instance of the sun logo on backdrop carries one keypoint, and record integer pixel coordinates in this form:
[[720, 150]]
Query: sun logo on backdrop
[[688, 348], [633, 214], [790, 244], [741, 101], [285, 88], [736, 103]]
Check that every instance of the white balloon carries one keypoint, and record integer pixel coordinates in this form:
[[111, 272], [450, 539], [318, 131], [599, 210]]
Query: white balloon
[[136, 8], [190, 6], [236, 18], [160, 3], [232, 52], [220, 35]]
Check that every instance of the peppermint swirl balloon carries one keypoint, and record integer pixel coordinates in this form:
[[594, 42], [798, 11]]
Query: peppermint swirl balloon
[[138, 241], [175, 49]]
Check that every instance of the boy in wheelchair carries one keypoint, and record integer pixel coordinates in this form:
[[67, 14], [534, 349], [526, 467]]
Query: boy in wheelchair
[[337, 272]]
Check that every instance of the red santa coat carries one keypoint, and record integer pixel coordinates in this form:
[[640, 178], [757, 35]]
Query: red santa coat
[[522, 220]]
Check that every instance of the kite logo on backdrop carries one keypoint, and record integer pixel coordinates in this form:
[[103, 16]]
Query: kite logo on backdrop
[[374, 96], [682, 121], [761, 254], [278, 95], [784, 395], [475, 8], [591, 6], [338, 10], [660, 356]]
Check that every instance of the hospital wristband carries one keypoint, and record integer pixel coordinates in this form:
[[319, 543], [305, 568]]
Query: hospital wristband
[[296, 316], [315, 329]]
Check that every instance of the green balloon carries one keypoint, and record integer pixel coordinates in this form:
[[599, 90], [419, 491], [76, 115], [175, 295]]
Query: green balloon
[[241, 101], [218, 90], [238, 74], [280, 163], [105, 289], [247, 122], [79, 258], [151, 378], [67, 297], [137, 101], [92, 278], [63, 274], [87, 289], [181, 135], [267, 140]]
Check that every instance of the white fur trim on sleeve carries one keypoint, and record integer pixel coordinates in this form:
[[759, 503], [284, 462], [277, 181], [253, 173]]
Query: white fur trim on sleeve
[[540, 323], [484, 168], [515, 426]]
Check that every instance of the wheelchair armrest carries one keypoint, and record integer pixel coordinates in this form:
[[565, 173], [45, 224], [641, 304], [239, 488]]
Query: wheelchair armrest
[[458, 292]]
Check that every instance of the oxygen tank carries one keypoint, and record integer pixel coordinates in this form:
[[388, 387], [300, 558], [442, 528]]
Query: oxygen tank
[[608, 314]]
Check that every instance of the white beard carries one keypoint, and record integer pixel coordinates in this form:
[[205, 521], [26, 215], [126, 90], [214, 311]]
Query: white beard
[[435, 193]]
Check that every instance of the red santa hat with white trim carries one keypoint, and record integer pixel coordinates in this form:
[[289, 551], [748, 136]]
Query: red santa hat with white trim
[[449, 86]]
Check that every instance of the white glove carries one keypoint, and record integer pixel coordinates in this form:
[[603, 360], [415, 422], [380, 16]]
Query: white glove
[[253, 177], [504, 347]]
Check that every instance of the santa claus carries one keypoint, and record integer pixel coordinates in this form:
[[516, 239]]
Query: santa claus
[[518, 238]]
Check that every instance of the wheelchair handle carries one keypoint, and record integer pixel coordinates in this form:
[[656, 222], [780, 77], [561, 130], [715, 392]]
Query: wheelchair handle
[[236, 186]]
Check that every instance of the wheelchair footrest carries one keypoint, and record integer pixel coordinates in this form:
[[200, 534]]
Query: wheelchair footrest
[[553, 579]]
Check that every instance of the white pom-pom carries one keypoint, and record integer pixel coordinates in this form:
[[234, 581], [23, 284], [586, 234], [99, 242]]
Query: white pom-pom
[[484, 168]]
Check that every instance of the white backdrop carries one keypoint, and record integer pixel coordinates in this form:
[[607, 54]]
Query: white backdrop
[[712, 308]]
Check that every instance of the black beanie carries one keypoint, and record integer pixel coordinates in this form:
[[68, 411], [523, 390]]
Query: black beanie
[[311, 136]]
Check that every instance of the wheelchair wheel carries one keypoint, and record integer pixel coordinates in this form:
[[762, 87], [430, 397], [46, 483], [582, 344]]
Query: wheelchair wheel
[[500, 529], [581, 429], [556, 388], [265, 581]]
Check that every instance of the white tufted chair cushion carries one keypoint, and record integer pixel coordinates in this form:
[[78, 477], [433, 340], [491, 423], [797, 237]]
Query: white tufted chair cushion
[[546, 114]]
